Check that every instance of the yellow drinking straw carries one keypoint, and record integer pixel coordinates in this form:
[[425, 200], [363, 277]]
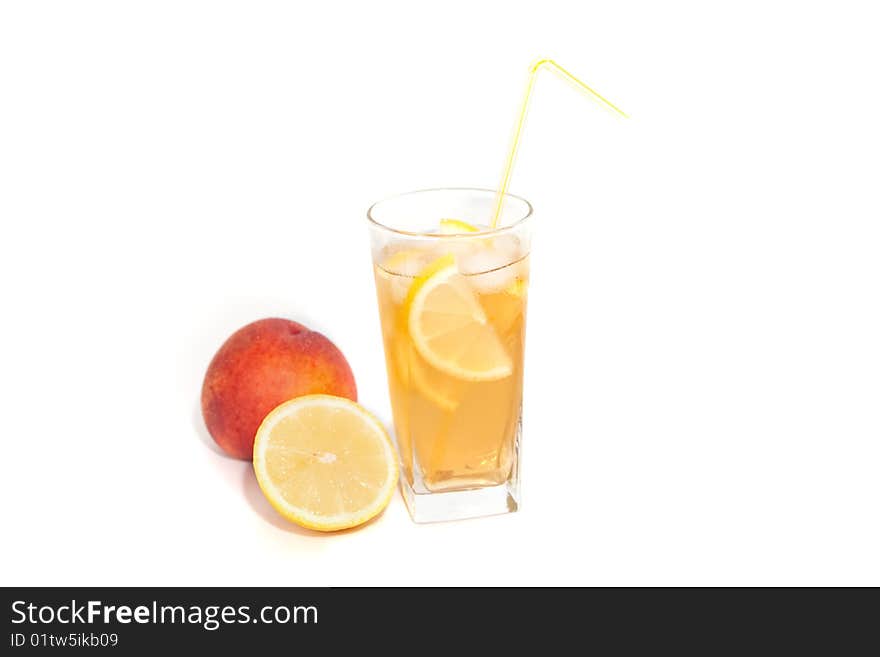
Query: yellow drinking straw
[[511, 155]]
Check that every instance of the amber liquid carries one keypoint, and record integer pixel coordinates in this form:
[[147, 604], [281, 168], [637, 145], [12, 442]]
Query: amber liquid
[[454, 433]]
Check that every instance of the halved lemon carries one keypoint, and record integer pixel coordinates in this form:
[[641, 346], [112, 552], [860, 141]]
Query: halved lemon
[[449, 327], [325, 462], [456, 226]]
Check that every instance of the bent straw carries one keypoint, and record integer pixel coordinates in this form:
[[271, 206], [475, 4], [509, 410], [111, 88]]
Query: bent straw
[[514, 146]]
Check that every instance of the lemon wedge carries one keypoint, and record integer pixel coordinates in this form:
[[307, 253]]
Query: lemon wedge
[[456, 227], [449, 327]]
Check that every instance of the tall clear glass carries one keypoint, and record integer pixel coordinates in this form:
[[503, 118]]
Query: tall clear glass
[[452, 301]]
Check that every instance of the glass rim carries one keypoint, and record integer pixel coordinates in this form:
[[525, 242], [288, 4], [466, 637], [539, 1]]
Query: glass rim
[[408, 233]]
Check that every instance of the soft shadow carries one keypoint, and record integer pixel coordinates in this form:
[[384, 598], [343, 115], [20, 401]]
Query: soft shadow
[[262, 508], [202, 431], [252, 493], [251, 488]]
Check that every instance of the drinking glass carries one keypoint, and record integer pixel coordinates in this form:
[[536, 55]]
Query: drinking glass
[[452, 302]]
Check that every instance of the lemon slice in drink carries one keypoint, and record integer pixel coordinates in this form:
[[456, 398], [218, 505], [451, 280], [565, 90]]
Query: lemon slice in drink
[[324, 462], [449, 327], [456, 227]]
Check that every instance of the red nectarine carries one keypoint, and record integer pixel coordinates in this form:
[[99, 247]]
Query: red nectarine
[[260, 366]]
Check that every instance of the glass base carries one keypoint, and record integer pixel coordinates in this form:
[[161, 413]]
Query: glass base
[[460, 504]]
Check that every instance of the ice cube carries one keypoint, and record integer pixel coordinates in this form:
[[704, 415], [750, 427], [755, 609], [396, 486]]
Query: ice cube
[[508, 244], [400, 264], [462, 249], [405, 260], [495, 265], [486, 254], [497, 280]]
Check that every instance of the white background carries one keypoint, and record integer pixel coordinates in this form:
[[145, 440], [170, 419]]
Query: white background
[[703, 368]]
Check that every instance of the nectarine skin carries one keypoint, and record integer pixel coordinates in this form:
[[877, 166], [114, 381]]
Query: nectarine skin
[[260, 366]]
